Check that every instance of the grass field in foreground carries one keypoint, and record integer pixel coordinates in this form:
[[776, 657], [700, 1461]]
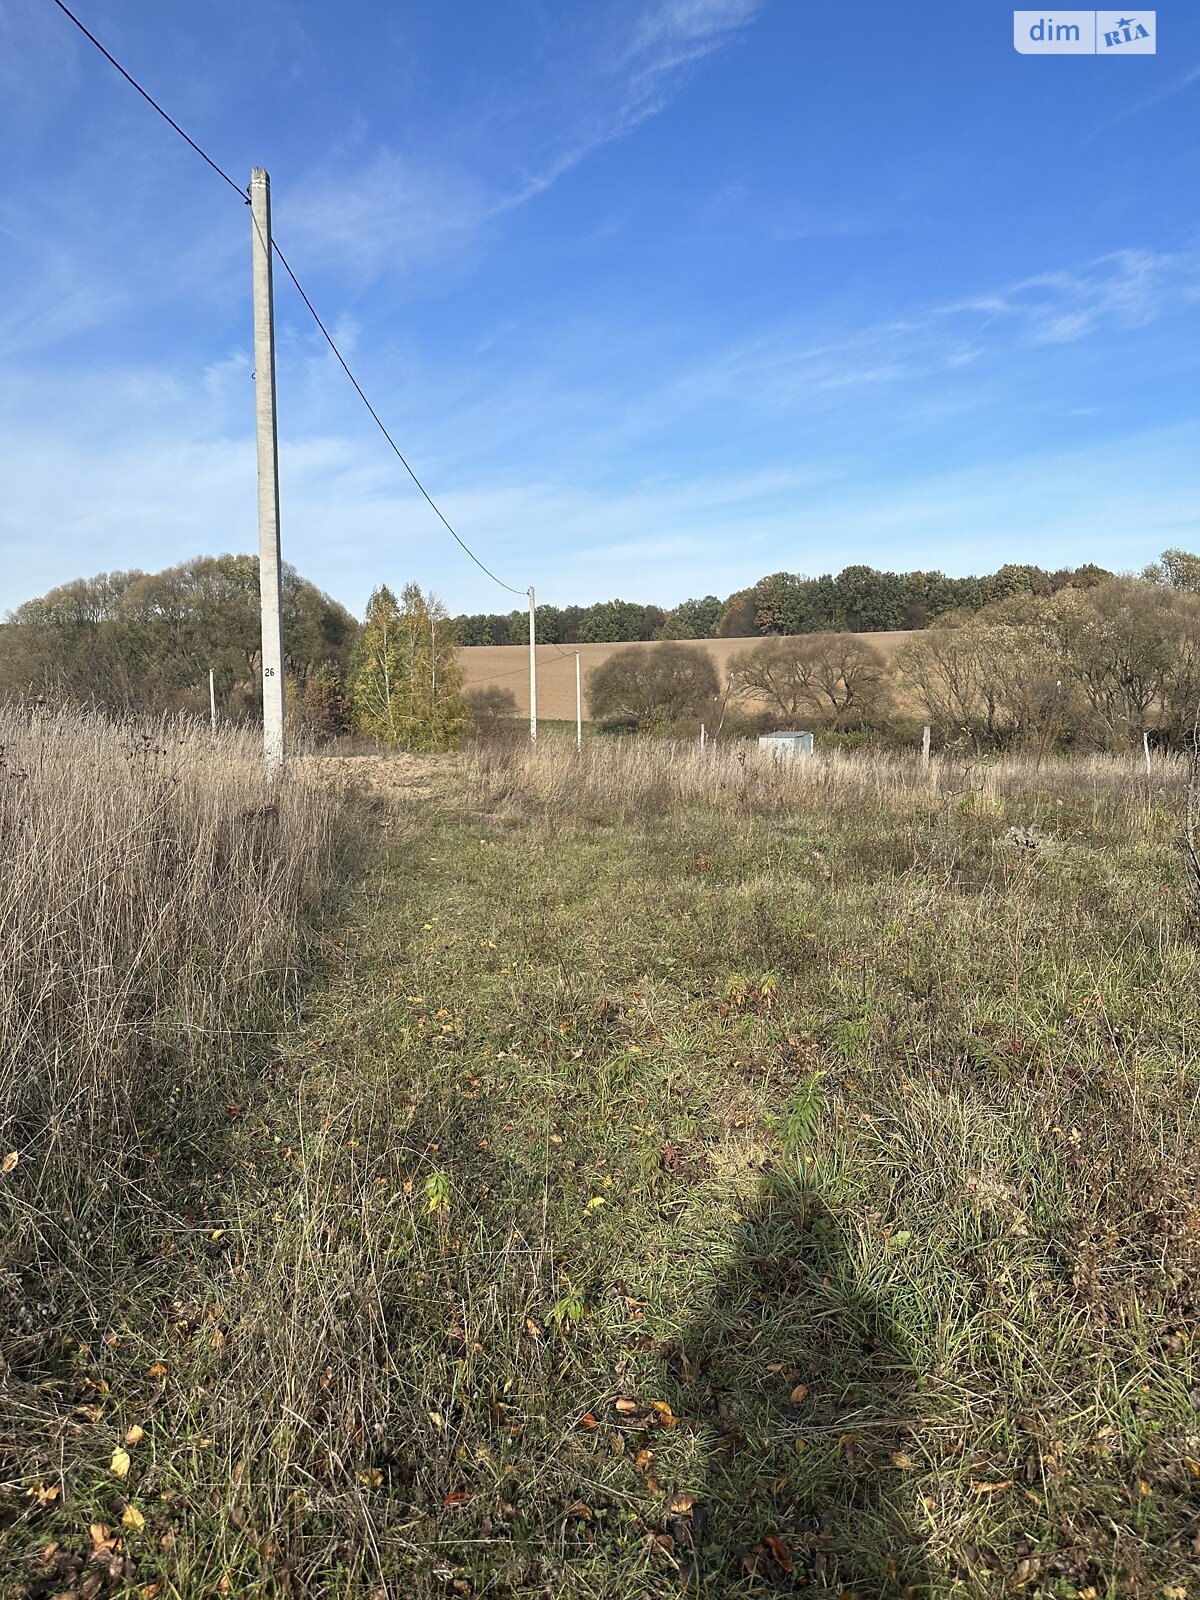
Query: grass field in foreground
[[734, 1183]]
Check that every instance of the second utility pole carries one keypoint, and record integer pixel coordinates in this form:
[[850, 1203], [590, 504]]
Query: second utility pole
[[532, 667], [269, 578]]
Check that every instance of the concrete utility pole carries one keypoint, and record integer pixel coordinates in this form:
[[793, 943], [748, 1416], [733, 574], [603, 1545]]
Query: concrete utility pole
[[532, 668], [269, 578], [212, 701], [925, 737], [578, 707]]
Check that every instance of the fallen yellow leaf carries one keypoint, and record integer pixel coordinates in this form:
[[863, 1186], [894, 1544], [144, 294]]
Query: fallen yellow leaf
[[9, 1161], [135, 1434], [133, 1518], [119, 1466]]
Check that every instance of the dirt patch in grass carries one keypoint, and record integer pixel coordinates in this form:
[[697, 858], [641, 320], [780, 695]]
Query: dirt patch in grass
[[394, 776]]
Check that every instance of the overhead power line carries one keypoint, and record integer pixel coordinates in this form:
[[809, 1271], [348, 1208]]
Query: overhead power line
[[283, 261], [150, 100]]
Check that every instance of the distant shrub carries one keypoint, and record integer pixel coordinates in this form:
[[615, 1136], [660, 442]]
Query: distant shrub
[[836, 677], [320, 706], [493, 712], [653, 689]]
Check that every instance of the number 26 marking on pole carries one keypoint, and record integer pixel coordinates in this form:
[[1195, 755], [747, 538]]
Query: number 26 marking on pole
[[268, 672]]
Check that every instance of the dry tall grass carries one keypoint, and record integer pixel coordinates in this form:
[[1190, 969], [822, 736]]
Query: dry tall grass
[[157, 898], [628, 778]]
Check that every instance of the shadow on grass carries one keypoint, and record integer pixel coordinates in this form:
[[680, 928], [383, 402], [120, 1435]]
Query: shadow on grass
[[803, 1387]]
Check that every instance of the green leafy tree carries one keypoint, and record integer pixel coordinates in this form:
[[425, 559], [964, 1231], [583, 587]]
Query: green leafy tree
[[612, 621], [692, 619], [145, 641], [868, 601]]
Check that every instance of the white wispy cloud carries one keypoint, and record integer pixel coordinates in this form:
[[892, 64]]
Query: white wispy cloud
[[165, 469], [1124, 289], [388, 213], [690, 24], [391, 213], [1147, 103], [785, 369]]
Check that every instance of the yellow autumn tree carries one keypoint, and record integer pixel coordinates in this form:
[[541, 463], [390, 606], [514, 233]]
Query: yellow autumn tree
[[406, 679]]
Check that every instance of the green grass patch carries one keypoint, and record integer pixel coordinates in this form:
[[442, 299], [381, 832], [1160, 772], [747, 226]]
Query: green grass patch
[[790, 1200]]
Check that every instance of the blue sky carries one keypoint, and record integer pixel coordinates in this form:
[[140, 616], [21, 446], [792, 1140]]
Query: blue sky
[[658, 295]]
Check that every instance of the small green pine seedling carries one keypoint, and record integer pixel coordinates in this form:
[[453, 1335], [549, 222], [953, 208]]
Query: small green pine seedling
[[803, 1114]]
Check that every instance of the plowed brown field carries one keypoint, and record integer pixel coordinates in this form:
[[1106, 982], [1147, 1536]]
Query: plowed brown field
[[507, 667]]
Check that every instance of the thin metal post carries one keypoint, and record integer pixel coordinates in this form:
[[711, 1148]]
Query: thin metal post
[[212, 701], [269, 575], [578, 706], [532, 667]]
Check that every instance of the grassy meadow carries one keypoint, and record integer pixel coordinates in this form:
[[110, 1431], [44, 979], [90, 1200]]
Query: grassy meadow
[[642, 1173]]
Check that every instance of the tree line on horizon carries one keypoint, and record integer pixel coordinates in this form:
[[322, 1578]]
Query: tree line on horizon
[[1078, 654], [1097, 666], [859, 599]]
